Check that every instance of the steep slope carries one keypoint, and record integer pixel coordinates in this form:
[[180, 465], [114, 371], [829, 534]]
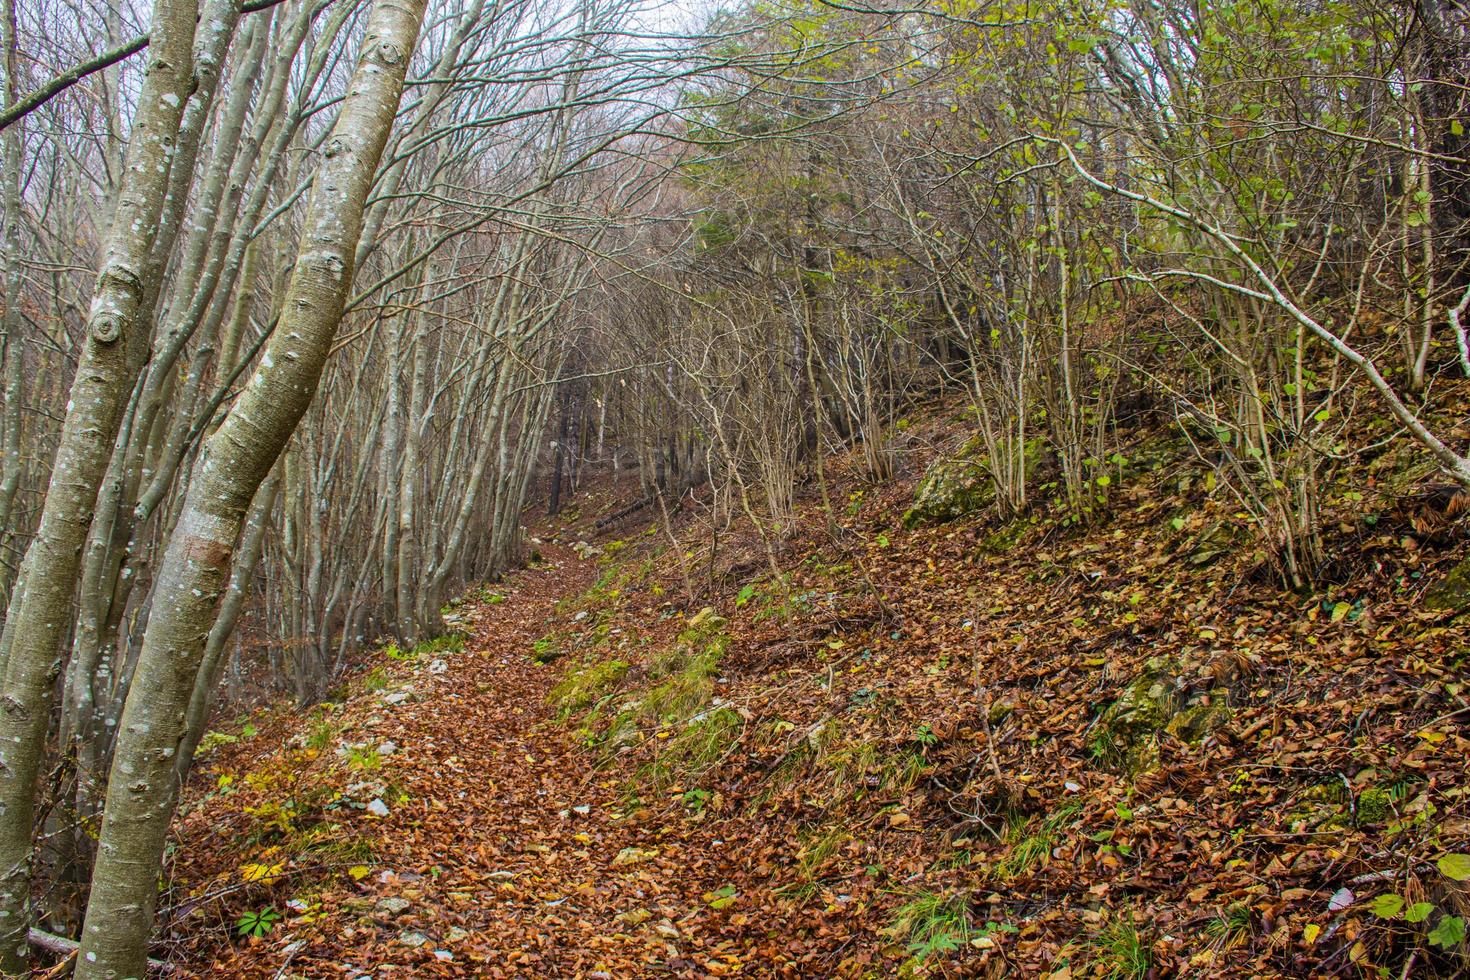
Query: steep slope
[[971, 748]]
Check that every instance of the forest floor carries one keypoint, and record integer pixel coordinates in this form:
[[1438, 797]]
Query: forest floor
[[1114, 748], [503, 852]]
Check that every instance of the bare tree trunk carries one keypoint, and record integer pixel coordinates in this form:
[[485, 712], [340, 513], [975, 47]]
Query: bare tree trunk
[[10, 282], [193, 574], [408, 542], [251, 545], [117, 336]]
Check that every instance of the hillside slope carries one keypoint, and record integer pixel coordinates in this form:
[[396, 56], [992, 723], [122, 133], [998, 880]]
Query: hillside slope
[[967, 749]]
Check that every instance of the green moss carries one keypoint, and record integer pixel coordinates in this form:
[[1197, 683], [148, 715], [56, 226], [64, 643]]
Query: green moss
[[1000, 541], [547, 648], [1193, 723], [951, 488], [1452, 592], [681, 681], [585, 686], [1128, 731], [1375, 805]]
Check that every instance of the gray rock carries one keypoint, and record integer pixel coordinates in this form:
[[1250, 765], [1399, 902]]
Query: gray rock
[[952, 487], [393, 905]]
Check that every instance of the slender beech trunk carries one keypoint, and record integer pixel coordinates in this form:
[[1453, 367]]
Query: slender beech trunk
[[392, 433], [252, 543], [116, 337], [193, 574], [10, 349], [409, 476]]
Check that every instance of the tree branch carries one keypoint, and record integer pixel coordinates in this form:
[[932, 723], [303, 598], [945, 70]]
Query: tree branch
[[36, 98]]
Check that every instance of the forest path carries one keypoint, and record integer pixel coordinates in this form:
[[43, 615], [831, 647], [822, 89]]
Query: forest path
[[512, 856]]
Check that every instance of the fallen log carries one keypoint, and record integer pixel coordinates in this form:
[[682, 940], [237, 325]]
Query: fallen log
[[62, 946]]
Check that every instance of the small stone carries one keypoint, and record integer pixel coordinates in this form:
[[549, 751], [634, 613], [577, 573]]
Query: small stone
[[387, 748], [377, 807], [395, 698], [456, 935], [413, 940], [393, 905], [438, 667]]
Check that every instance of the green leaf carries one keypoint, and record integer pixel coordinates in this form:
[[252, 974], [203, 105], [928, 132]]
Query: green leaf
[[1418, 912], [1449, 932], [1340, 611], [257, 923], [1387, 906], [1456, 866]]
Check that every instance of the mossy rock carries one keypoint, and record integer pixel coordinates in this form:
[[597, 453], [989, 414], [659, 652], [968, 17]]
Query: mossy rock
[[1127, 731], [952, 487], [1147, 704], [1193, 722], [1452, 593], [1152, 704], [1000, 711], [1375, 805]]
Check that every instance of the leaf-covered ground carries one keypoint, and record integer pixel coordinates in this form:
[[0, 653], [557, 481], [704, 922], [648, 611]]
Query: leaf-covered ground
[[972, 749]]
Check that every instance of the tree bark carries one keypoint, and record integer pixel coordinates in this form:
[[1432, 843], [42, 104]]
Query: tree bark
[[116, 337], [10, 273], [142, 792]]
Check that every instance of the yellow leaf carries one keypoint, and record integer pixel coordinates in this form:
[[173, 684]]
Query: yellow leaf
[[255, 872], [359, 872], [1311, 932]]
